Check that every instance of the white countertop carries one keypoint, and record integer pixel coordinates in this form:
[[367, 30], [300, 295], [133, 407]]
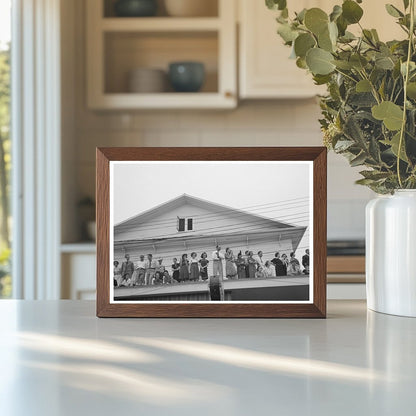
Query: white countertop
[[57, 358]]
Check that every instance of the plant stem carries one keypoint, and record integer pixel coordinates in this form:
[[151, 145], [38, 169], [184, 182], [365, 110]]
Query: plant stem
[[397, 95], [405, 81], [391, 98], [373, 88], [346, 75]]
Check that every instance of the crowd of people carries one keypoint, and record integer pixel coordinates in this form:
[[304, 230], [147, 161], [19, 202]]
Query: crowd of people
[[148, 271]]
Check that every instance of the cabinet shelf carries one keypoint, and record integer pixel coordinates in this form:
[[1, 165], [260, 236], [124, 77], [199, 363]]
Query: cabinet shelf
[[198, 100], [116, 46], [87, 247], [160, 24]]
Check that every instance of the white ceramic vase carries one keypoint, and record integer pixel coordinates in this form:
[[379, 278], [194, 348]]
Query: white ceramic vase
[[391, 253]]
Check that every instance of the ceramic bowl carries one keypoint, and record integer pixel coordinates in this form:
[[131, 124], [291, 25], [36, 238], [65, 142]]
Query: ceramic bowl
[[135, 8], [186, 76], [147, 80]]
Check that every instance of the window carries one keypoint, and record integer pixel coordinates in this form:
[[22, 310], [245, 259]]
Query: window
[[185, 224], [5, 160], [181, 224]]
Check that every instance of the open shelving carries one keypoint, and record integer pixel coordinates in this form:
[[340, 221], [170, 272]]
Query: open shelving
[[117, 45]]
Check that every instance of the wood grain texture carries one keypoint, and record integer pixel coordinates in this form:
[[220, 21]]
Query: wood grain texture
[[319, 229], [229, 310], [346, 264], [345, 278], [103, 231]]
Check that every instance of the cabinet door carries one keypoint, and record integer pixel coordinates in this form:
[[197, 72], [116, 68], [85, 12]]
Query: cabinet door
[[265, 68], [78, 276]]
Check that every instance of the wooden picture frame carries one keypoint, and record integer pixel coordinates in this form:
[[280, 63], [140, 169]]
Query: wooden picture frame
[[316, 306]]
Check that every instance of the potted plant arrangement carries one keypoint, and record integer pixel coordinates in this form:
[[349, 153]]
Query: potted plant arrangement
[[368, 116]]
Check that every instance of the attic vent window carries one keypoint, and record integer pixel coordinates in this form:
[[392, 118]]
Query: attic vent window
[[181, 224], [185, 224]]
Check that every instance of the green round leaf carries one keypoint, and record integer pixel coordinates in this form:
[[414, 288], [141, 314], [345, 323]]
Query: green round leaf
[[301, 63], [284, 14], [411, 90], [344, 65], [316, 20], [324, 41], [412, 67], [328, 38], [276, 4], [287, 33], [358, 61], [301, 15], [394, 144], [319, 61], [303, 43], [333, 32], [391, 114], [336, 12], [342, 25], [322, 79], [363, 86], [384, 62], [351, 11]]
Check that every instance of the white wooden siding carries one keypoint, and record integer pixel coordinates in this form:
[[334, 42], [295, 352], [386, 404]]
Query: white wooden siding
[[205, 221]]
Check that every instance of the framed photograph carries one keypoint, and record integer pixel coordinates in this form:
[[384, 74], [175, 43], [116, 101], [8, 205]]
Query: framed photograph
[[211, 232]]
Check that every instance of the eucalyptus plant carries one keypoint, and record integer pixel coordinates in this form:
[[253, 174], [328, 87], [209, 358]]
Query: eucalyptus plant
[[369, 111]]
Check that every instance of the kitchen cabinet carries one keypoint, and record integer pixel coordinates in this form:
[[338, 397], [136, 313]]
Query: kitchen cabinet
[[78, 262], [265, 70], [118, 45]]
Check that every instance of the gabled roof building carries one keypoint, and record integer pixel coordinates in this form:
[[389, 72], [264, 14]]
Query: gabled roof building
[[186, 223]]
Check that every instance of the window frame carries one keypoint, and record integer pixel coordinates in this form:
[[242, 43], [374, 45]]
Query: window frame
[[186, 224], [36, 149], [180, 221]]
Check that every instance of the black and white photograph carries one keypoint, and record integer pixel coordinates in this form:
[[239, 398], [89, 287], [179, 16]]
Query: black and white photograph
[[199, 231]]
